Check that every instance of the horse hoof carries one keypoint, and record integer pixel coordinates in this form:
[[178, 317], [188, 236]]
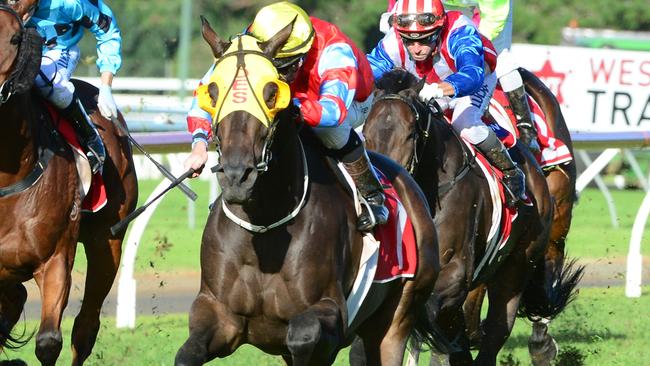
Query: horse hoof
[[48, 347], [544, 352], [15, 362]]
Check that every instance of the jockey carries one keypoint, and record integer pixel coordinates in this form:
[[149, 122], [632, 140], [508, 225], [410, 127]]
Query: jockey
[[494, 20], [446, 49], [59, 22], [331, 84]]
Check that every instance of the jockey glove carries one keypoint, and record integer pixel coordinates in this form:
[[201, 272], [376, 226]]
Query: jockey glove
[[106, 103], [430, 91]]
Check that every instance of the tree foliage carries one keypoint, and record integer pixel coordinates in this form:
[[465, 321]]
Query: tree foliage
[[150, 29]]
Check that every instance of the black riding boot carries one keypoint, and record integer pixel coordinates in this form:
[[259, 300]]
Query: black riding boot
[[513, 177], [355, 160], [527, 133], [87, 134]]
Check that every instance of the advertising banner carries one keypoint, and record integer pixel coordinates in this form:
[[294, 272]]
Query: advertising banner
[[600, 90]]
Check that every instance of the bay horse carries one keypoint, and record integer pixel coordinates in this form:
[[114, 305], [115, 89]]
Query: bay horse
[[405, 129], [280, 249], [554, 279], [41, 203]]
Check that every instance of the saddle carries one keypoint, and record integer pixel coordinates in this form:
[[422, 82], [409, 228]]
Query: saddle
[[91, 187]]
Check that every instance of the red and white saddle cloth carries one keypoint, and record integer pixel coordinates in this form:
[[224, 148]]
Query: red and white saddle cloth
[[388, 254], [92, 188], [554, 151], [502, 215]]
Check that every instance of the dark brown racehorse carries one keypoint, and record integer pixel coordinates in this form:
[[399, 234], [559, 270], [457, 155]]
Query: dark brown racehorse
[[553, 282], [407, 131], [282, 286], [41, 204]]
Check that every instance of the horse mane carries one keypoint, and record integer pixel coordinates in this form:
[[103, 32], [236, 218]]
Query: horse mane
[[395, 81]]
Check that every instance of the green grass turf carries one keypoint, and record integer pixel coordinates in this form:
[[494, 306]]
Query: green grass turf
[[592, 234], [602, 326], [168, 244]]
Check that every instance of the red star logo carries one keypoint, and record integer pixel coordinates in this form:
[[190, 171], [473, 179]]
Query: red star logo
[[552, 79]]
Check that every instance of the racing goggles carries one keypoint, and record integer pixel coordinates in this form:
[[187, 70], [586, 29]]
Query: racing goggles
[[423, 19]]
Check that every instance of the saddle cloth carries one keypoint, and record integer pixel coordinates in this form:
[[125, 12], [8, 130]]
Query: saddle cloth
[[389, 253], [502, 215], [92, 188], [554, 151]]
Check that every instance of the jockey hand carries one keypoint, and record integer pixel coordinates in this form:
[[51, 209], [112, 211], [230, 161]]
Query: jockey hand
[[430, 91], [197, 159], [106, 103]]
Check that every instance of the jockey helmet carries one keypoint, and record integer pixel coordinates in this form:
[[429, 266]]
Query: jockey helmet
[[418, 19], [274, 17]]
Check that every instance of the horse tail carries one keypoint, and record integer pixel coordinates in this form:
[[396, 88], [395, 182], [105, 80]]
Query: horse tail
[[546, 297], [427, 332], [9, 341]]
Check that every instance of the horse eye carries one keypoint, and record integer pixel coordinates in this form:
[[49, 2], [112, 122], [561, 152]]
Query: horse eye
[[213, 90], [15, 39], [270, 93]]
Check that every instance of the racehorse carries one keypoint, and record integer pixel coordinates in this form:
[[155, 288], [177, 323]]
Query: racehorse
[[41, 203], [553, 278], [423, 142], [280, 249]]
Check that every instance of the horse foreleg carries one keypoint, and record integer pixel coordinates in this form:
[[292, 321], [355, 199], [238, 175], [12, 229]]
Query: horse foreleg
[[315, 335], [103, 260], [214, 332], [451, 291], [504, 293], [12, 302], [472, 310], [53, 279]]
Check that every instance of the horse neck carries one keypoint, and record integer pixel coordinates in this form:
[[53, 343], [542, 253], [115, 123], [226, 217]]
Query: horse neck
[[17, 147], [442, 154], [279, 189]]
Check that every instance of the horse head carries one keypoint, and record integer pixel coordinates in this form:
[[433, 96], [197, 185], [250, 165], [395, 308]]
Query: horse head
[[398, 122], [244, 96], [20, 50]]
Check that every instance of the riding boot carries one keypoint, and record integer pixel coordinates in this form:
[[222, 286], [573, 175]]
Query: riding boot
[[527, 133], [513, 177], [374, 211], [86, 133]]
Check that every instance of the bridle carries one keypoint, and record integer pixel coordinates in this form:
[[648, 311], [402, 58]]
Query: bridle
[[7, 88], [422, 118], [263, 165]]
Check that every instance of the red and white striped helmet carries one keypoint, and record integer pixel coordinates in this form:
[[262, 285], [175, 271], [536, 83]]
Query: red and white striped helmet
[[418, 18]]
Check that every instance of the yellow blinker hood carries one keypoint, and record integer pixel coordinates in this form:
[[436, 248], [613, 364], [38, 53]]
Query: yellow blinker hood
[[240, 76]]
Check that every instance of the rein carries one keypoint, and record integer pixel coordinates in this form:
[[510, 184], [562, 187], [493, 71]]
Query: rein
[[421, 137]]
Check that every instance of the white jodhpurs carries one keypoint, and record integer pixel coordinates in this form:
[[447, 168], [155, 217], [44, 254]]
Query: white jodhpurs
[[336, 137], [468, 110], [53, 80], [507, 72]]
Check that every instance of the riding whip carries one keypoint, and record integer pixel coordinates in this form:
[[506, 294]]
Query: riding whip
[[187, 190], [125, 221]]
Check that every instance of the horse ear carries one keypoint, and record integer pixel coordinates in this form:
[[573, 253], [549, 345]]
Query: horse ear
[[417, 87], [216, 44], [275, 43]]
